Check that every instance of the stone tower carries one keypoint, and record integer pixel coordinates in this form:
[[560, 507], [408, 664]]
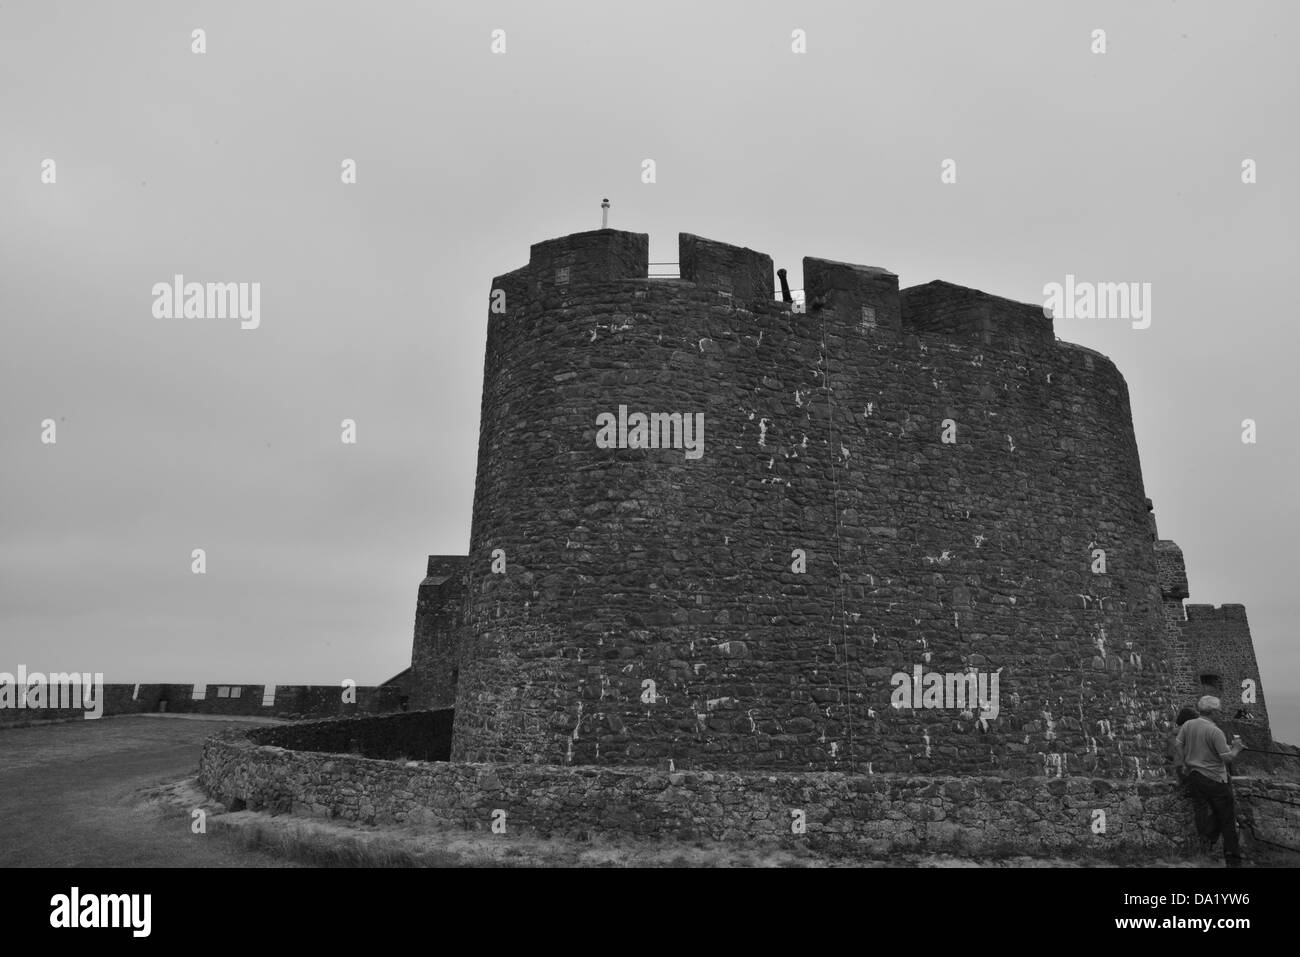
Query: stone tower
[[895, 531]]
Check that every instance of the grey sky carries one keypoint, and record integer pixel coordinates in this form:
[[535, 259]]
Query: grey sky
[[181, 434]]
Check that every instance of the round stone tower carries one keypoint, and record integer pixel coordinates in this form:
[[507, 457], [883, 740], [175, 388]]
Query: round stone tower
[[887, 532]]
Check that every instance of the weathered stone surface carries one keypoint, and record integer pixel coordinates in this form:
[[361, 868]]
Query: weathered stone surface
[[643, 588], [849, 814], [289, 701], [435, 650]]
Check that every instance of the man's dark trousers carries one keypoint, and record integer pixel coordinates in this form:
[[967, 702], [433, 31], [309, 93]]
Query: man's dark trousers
[[1214, 806]]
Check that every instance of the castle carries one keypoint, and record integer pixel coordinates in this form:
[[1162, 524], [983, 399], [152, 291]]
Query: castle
[[915, 539]]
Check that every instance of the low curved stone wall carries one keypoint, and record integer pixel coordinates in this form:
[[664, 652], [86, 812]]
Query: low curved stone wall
[[860, 815]]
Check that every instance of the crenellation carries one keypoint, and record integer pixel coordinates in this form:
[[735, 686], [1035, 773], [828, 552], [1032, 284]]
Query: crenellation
[[862, 298], [1212, 651], [436, 647], [600, 255], [1172, 568], [1215, 612], [963, 314], [735, 271]]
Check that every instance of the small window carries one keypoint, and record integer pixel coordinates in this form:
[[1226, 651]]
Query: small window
[[268, 696], [455, 677], [562, 275], [200, 692], [1212, 684], [868, 318], [236, 691], [223, 691]]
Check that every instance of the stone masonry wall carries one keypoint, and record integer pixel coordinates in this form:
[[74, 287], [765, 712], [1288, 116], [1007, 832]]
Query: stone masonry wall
[[959, 313], [736, 273], [862, 815], [1221, 646], [1273, 810], [291, 701], [1172, 573], [654, 609], [1212, 642], [117, 699], [435, 651]]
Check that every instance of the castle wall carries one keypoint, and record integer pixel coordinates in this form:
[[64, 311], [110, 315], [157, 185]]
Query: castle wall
[[970, 317], [742, 274], [1172, 574], [435, 651], [1213, 653], [117, 699], [289, 701], [823, 434], [1221, 647], [846, 815]]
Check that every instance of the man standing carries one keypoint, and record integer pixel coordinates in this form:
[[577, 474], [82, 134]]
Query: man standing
[[1202, 749]]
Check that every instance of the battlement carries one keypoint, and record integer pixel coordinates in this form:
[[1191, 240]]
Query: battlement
[[866, 295], [435, 648], [600, 255], [1172, 571], [444, 567], [941, 308], [737, 270], [596, 256], [1215, 612], [860, 297]]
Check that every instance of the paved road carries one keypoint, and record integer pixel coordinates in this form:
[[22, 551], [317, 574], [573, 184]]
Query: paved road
[[67, 790]]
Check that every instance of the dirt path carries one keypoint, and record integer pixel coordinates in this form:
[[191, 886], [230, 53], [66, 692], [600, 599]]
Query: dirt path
[[67, 790]]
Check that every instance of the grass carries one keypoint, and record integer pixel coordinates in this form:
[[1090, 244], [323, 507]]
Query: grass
[[334, 843]]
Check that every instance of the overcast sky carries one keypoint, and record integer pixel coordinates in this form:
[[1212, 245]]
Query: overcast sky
[[181, 434]]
